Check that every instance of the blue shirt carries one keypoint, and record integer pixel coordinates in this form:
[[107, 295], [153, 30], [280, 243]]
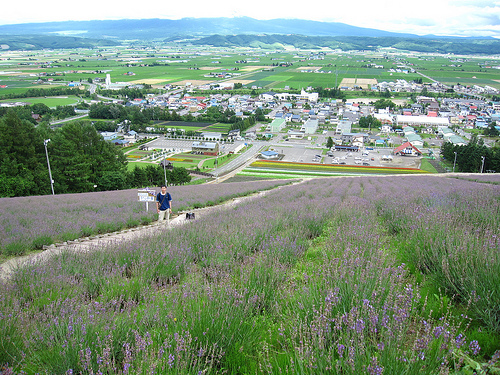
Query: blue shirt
[[164, 201]]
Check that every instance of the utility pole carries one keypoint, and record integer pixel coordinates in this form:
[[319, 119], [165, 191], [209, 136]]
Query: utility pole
[[455, 162], [165, 166], [48, 164], [482, 164]]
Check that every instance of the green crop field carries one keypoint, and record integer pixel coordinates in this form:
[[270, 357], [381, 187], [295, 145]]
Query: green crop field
[[51, 102], [159, 66]]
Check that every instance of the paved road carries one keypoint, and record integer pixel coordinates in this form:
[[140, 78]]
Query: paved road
[[68, 119]]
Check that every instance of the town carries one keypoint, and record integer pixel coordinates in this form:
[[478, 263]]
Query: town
[[222, 103]]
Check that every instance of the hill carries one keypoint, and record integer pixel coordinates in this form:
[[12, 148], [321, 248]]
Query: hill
[[370, 275], [418, 44], [149, 29], [230, 32]]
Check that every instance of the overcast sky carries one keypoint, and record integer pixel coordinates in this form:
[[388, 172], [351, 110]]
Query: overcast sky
[[440, 17]]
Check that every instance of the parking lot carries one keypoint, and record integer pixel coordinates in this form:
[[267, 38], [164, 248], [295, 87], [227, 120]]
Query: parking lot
[[306, 151]]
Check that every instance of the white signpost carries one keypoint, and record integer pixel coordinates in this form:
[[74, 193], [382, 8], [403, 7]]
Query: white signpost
[[146, 195]]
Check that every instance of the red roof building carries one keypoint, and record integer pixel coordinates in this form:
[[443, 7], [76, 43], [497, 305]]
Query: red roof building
[[407, 149]]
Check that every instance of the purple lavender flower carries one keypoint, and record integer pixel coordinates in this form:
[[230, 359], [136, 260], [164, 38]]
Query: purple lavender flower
[[474, 347]]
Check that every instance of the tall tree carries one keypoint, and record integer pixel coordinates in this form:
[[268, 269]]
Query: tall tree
[[81, 157], [20, 157]]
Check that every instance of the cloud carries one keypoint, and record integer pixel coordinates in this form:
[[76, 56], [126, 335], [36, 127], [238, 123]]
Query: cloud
[[440, 17]]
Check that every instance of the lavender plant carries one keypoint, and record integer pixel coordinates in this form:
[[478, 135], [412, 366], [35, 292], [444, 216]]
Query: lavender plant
[[31, 222], [306, 279]]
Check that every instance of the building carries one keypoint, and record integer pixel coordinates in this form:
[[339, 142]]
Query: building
[[269, 154], [293, 134], [211, 135], [349, 138], [344, 126], [310, 127], [415, 140], [407, 149], [109, 136], [277, 125], [205, 148], [402, 120], [233, 134]]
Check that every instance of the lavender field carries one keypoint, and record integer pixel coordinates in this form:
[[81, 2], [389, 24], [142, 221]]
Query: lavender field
[[368, 275], [29, 223]]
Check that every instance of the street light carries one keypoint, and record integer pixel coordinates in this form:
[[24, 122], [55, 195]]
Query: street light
[[48, 164], [455, 162], [216, 166], [482, 164], [165, 166]]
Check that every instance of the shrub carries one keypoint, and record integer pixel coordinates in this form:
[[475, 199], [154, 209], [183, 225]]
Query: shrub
[[41, 241]]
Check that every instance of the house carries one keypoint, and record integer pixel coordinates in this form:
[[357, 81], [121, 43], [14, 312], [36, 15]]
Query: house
[[407, 149], [267, 96], [251, 134], [349, 138], [121, 142], [109, 136], [415, 140], [456, 140], [131, 136], [233, 134], [386, 129]]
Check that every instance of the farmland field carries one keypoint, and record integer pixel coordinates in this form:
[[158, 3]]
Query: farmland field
[[179, 66], [346, 275]]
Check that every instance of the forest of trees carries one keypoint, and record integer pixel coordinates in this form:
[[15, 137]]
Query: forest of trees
[[470, 157], [80, 160]]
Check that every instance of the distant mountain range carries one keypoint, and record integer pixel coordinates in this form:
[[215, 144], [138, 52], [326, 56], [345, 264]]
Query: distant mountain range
[[239, 31], [149, 29]]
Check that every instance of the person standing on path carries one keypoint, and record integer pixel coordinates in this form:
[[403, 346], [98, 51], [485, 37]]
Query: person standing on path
[[164, 205]]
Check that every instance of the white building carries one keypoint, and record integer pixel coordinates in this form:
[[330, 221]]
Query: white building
[[402, 120], [310, 127]]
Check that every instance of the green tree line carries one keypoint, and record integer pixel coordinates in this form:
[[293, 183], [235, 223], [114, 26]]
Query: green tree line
[[80, 160], [36, 93], [469, 158], [141, 118]]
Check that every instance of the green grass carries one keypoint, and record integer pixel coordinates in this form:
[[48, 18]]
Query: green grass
[[140, 164], [427, 166], [51, 102]]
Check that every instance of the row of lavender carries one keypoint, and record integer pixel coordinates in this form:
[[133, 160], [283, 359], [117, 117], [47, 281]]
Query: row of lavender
[[454, 240], [31, 222], [303, 280]]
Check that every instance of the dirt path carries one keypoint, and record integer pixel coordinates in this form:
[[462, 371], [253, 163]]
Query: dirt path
[[95, 242]]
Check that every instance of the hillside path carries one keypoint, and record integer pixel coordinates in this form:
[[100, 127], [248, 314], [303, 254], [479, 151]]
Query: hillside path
[[95, 242]]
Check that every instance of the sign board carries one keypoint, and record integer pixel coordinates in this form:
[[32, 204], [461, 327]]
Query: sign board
[[146, 195]]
